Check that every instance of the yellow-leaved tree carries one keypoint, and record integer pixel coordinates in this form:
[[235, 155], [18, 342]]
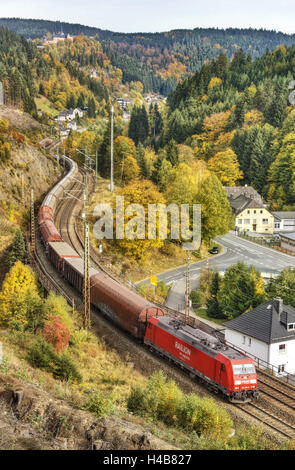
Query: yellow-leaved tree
[[142, 193], [225, 165], [19, 291]]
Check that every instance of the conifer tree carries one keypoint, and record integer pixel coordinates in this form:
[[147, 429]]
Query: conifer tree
[[18, 249]]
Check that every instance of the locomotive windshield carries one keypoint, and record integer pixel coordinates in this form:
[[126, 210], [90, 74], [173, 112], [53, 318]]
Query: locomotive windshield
[[243, 369]]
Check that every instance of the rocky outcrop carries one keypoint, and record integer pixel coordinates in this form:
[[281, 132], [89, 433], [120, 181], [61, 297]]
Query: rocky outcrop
[[31, 419]]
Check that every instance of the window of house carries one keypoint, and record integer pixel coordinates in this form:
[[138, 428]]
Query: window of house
[[261, 212], [246, 221], [281, 368], [291, 326], [282, 348], [277, 225], [249, 341], [265, 221], [254, 212], [244, 339], [248, 212], [240, 221]]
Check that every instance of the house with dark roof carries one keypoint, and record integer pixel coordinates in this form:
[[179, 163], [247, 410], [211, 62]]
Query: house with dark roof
[[250, 212], [268, 333]]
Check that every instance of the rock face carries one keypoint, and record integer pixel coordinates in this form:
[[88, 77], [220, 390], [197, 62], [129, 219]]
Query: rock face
[[31, 419]]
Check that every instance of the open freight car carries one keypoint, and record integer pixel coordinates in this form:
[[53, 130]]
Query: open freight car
[[222, 368], [58, 252]]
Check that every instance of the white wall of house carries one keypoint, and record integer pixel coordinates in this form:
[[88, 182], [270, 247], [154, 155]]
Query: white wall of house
[[284, 225], [248, 344], [277, 354], [283, 354]]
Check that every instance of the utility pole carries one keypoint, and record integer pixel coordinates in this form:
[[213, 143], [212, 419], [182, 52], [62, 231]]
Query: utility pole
[[86, 287], [23, 188], [187, 291], [112, 151], [33, 235], [96, 167]]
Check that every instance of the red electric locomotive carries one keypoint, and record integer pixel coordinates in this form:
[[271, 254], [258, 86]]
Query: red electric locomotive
[[222, 368]]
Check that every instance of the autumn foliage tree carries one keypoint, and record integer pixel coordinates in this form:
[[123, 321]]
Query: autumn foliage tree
[[216, 211], [142, 192], [226, 167], [55, 332], [14, 300]]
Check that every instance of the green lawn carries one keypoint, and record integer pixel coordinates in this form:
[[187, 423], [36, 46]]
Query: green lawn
[[202, 313]]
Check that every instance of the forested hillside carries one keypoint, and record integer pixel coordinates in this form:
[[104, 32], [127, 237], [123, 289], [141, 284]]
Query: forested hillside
[[241, 109], [60, 73], [159, 60], [18, 69]]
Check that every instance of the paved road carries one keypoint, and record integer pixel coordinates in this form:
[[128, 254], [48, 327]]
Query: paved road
[[266, 260]]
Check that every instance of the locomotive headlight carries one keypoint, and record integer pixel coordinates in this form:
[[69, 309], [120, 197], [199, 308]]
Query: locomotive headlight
[[238, 382]]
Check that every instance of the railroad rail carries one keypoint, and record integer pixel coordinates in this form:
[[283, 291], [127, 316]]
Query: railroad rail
[[269, 419]]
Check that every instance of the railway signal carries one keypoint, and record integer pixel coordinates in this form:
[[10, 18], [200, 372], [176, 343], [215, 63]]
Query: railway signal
[[187, 291], [112, 152], [23, 188]]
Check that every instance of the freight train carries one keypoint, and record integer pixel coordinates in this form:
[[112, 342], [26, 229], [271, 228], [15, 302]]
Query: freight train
[[220, 367]]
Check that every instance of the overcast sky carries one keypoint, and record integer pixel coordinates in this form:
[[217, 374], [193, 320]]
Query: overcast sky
[[158, 15]]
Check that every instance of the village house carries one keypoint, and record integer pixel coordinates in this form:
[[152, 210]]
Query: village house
[[72, 126], [154, 98], [251, 214], [124, 102], [57, 37], [69, 115], [266, 333]]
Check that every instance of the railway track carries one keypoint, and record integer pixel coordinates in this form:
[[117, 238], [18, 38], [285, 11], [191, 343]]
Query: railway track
[[277, 394], [269, 419]]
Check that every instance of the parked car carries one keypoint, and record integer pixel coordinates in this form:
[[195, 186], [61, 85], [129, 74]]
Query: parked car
[[214, 250]]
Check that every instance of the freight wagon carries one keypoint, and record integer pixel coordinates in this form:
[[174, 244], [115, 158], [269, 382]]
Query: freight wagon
[[49, 232], [131, 311], [58, 252], [45, 213], [73, 272], [52, 197]]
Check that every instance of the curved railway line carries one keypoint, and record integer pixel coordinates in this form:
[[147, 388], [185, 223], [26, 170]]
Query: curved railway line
[[271, 387]]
